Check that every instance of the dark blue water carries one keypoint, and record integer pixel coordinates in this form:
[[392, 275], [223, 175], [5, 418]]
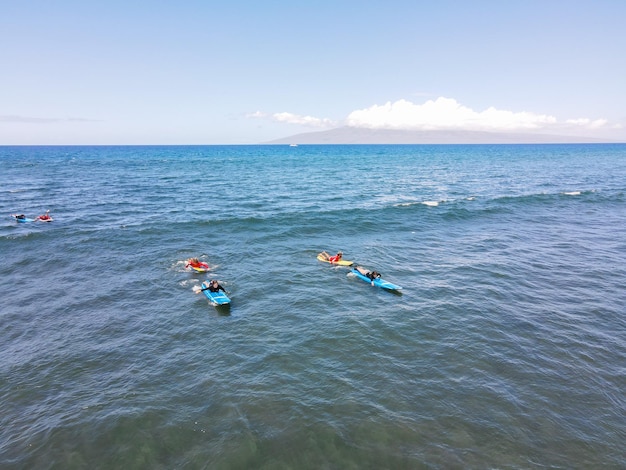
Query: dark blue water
[[505, 349]]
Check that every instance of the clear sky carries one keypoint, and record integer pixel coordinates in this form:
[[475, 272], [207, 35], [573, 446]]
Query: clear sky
[[238, 72]]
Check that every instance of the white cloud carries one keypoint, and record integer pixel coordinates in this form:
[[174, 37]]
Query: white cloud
[[290, 118], [443, 113], [256, 114], [303, 120], [588, 123], [440, 114]]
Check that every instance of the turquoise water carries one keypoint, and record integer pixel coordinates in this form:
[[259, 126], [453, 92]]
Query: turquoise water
[[505, 349]]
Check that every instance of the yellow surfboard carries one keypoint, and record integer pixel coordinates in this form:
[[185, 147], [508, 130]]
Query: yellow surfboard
[[343, 262]]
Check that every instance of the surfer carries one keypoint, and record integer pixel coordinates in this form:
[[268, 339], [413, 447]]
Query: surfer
[[332, 259], [371, 275], [214, 286], [196, 263], [44, 217]]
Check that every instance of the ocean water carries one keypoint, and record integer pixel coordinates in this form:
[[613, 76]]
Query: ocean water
[[506, 347]]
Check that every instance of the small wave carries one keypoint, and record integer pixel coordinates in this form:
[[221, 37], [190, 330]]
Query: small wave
[[405, 204], [539, 197], [579, 193], [419, 203], [17, 236]]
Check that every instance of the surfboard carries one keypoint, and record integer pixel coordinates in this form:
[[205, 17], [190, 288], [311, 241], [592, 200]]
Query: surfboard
[[342, 262], [216, 298], [200, 269], [378, 282], [22, 220]]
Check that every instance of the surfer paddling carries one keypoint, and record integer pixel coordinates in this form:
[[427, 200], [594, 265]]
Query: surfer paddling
[[332, 259]]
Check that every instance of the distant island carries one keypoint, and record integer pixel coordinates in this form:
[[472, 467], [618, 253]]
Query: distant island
[[352, 135]]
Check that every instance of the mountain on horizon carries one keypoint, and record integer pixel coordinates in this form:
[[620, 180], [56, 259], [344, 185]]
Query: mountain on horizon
[[353, 135]]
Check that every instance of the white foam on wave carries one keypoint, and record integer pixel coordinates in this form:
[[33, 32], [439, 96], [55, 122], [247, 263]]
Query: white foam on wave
[[420, 203], [192, 282], [572, 193], [405, 204], [178, 266]]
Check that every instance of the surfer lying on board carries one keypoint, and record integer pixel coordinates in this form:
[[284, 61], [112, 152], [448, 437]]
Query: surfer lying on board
[[44, 217], [214, 286], [196, 263], [332, 259], [372, 275], [19, 216]]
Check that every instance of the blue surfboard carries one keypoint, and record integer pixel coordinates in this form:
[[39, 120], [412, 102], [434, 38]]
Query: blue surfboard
[[216, 298], [378, 282], [22, 220]]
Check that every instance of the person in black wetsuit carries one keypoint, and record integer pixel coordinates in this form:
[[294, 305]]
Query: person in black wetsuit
[[372, 275], [214, 286]]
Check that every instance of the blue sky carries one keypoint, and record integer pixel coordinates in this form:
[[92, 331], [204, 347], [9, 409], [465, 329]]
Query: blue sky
[[238, 72]]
